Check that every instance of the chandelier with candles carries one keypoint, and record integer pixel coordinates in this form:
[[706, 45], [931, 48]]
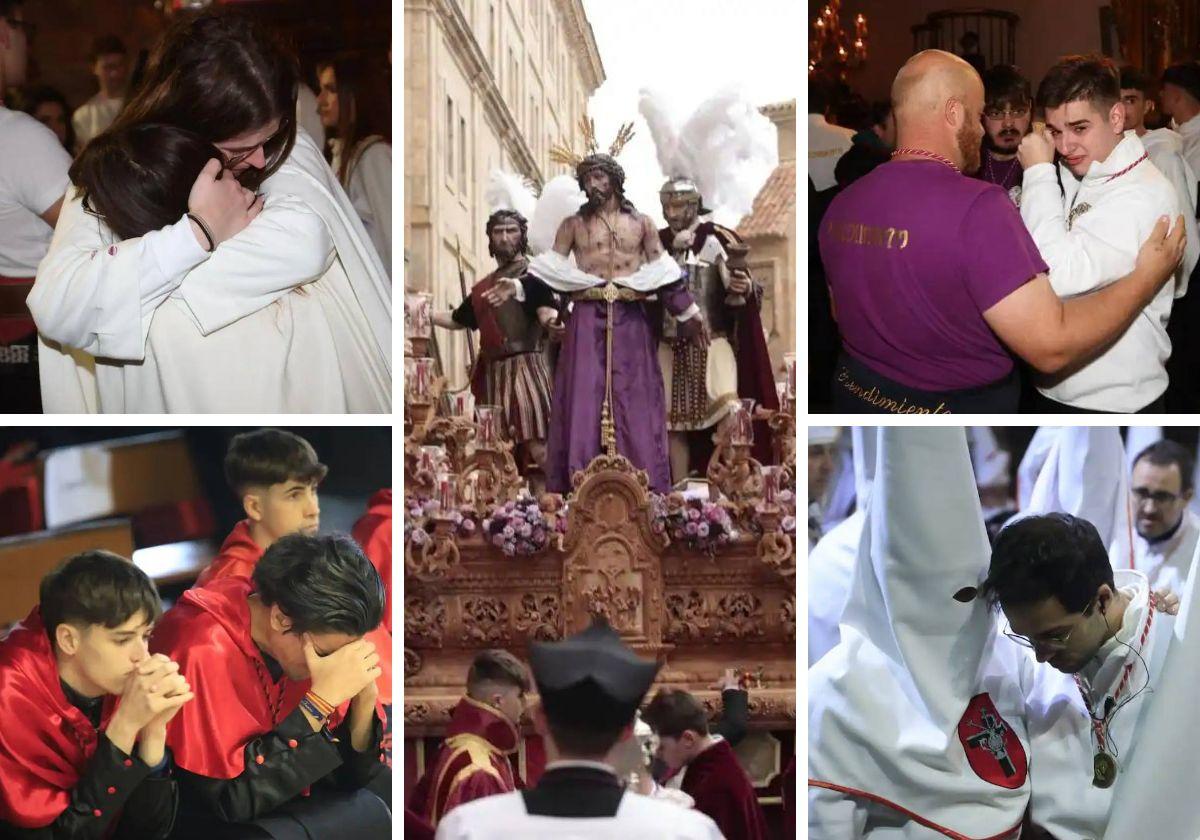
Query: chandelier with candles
[[832, 48]]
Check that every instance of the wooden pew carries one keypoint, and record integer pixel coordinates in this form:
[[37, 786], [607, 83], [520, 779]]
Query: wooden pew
[[175, 564], [25, 559]]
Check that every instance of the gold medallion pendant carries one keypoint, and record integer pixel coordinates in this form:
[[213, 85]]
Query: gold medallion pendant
[[1104, 770]]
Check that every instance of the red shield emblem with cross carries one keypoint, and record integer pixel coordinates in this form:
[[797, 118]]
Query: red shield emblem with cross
[[993, 748]]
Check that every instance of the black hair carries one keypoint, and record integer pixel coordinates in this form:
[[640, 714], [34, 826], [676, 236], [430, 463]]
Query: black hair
[[1132, 78], [323, 584], [1093, 78], [1003, 84], [1164, 453], [501, 216], [1051, 556], [607, 164], [106, 45], [1186, 76], [879, 111], [96, 587], [138, 177], [37, 96], [270, 456], [673, 712]]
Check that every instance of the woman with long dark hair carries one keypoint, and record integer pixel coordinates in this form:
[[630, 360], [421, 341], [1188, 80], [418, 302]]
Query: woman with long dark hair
[[355, 108], [250, 287]]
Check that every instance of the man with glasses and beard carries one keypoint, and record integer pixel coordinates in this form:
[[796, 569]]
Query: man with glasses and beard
[[936, 284], [1007, 115], [512, 311], [1160, 491]]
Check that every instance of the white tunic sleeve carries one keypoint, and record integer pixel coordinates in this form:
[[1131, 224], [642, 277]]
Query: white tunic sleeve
[[371, 193], [287, 246], [98, 295]]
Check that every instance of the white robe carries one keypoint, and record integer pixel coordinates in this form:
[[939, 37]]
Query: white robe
[[1169, 562], [370, 191], [1165, 148], [1113, 216], [886, 705], [291, 315], [638, 817], [1064, 801]]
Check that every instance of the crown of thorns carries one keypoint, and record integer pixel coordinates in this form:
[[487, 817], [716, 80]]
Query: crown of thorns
[[563, 153]]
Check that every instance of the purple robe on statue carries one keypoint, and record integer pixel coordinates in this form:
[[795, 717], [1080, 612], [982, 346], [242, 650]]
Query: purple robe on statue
[[639, 406]]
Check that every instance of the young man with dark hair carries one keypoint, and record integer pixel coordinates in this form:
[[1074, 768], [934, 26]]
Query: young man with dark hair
[[473, 761], [33, 181], [86, 707], [1105, 637], [275, 474], [109, 63], [1160, 491], [1090, 230], [712, 775], [289, 705], [590, 686], [1181, 102], [1007, 116]]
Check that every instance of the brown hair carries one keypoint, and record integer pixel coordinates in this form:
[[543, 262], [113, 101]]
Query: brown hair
[[364, 104], [497, 666], [220, 75], [1092, 78], [674, 711], [270, 456]]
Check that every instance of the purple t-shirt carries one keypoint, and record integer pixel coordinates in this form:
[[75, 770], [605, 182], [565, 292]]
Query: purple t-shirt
[[915, 253]]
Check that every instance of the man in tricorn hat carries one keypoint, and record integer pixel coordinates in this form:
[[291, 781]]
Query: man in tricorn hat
[[510, 309], [590, 686], [704, 383], [608, 387]]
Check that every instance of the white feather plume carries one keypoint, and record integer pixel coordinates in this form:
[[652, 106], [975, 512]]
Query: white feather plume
[[560, 198], [509, 191], [727, 146]]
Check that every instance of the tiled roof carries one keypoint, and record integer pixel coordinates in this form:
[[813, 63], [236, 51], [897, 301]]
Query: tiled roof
[[774, 211]]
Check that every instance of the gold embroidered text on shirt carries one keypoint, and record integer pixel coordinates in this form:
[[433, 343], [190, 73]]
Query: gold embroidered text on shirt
[[855, 233]]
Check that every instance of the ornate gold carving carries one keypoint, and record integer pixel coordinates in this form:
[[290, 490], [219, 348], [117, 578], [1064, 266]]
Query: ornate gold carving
[[735, 474], [687, 616], [618, 603], [738, 615], [434, 559], [490, 477], [485, 620], [787, 615], [412, 662], [539, 617], [424, 620], [776, 549]]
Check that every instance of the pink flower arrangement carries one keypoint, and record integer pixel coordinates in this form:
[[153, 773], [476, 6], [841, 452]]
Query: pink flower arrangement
[[418, 524], [698, 524], [522, 527]]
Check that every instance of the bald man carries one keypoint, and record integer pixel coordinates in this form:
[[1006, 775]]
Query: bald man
[[935, 281]]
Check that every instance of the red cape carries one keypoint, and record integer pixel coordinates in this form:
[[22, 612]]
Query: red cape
[[208, 633], [45, 742], [472, 762], [373, 532], [237, 557], [721, 789]]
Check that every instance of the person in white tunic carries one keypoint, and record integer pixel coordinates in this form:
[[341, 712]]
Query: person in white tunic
[[1089, 232], [274, 303], [916, 717], [826, 142], [590, 686], [109, 63], [33, 178], [354, 109], [1167, 530], [1105, 638], [1181, 102]]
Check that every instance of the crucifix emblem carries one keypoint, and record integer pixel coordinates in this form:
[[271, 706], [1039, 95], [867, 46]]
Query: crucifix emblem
[[991, 738]]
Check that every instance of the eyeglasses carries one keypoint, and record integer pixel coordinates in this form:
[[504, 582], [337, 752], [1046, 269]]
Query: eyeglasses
[[1007, 113], [1054, 642], [1159, 497], [268, 146]]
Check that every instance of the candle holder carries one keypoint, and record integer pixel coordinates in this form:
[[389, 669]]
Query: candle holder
[[732, 472]]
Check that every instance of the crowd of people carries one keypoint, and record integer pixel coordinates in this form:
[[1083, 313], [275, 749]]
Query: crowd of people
[[260, 699], [994, 658], [1064, 290], [209, 209]]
